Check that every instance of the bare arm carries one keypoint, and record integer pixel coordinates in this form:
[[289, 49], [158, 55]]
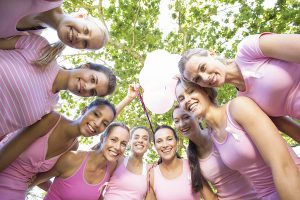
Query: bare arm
[[270, 144], [207, 193], [150, 192], [9, 43], [21, 141], [131, 95], [281, 46], [288, 126]]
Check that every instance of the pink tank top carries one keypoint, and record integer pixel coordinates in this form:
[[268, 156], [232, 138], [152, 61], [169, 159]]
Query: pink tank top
[[179, 188], [14, 179], [229, 183], [267, 79], [239, 153], [75, 187], [125, 185], [26, 90], [12, 11]]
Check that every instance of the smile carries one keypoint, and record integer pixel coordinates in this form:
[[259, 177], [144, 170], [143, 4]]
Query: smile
[[79, 86], [71, 35], [192, 107], [92, 130]]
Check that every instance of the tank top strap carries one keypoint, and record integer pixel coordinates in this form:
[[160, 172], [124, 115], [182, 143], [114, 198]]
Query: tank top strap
[[55, 125], [145, 169], [125, 161], [83, 164], [232, 126]]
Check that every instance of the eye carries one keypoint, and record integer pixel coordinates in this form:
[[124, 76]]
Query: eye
[[86, 30], [124, 144], [113, 139], [93, 92], [105, 124], [190, 91], [96, 114], [180, 98], [176, 121], [202, 68], [85, 44], [93, 79], [197, 79]]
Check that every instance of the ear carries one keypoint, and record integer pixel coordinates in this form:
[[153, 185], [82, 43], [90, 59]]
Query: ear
[[212, 53], [84, 110], [80, 14], [85, 66]]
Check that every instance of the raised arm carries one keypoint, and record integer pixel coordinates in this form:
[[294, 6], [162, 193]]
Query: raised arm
[[131, 95], [18, 143], [288, 126], [150, 192], [281, 46], [8, 43], [270, 144]]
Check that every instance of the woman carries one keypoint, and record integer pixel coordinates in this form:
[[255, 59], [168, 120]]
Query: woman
[[82, 174], [205, 161], [29, 92], [129, 181], [42, 155], [260, 62], [245, 138], [24, 17], [170, 179]]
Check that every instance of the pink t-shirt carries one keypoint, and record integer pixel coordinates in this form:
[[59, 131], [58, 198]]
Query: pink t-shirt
[[12, 11], [179, 188], [273, 84], [75, 187], [125, 185], [14, 179], [229, 183], [26, 90]]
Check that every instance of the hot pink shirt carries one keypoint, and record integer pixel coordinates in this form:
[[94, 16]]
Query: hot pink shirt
[[12, 11], [239, 153], [75, 187], [229, 183], [26, 90], [14, 179], [179, 188], [125, 185], [273, 84]]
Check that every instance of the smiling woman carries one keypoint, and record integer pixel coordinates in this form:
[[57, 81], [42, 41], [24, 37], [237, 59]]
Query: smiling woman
[[62, 137], [29, 91]]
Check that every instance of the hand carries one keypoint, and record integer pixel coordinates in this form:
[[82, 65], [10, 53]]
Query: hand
[[133, 90], [31, 181]]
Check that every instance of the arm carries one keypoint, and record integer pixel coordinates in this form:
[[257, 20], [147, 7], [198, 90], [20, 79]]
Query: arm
[[270, 144], [9, 43], [21, 141], [288, 126], [281, 46], [131, 95], [207, 193], [150, 192]]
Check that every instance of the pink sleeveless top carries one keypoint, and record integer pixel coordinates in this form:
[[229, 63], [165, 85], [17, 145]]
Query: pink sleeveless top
[[125, 185], [239, 153], [267, 79], [12, 11], [14, 179], [179, 188], [229, 183], [26, 90], [75, 187]]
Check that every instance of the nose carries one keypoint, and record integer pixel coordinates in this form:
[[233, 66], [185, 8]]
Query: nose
[[89, 86], [82, 36], [98, 123], [181, 123], [204, 77]]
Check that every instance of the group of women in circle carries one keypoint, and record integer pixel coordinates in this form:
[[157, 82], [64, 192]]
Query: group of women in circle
[[235, 147]]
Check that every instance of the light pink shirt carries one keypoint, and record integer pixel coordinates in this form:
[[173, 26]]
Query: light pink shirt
[[179, 188], [125, 185], [229, 183], [12, 11], [273, 84], [26, 90]]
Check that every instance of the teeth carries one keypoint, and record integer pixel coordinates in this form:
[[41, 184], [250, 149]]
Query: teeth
[[91, 128], [192, 107], [71, 35], [113, 153]]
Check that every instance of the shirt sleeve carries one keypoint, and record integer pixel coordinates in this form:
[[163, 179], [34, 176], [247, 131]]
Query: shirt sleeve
[[248, 48]]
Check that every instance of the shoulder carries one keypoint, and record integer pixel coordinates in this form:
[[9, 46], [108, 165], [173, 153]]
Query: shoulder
[[70, 160], [32, 41], [240, 103]]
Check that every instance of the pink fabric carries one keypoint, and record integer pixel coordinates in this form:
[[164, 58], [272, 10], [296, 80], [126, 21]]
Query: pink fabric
[[14, 179], [12, 11], [125, 185], [239, 153], [179, 188], [229, 183], [26, 90], [273, 84], [75, 187]]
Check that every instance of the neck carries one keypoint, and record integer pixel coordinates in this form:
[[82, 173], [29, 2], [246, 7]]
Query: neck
[[202, 140], [51, 18], [99, 161], [234, 76], [71, 129], [61, 81], [135, 160], [171, 164], [214, 116]]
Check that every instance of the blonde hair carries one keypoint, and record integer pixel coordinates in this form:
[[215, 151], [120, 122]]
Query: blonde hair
[[103, 29], [50, 52]]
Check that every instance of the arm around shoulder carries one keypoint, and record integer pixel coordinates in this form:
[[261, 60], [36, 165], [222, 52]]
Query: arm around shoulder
[[9, 43], [150, 180]]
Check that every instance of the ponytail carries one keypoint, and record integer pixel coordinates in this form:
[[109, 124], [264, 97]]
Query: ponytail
[[196, 175], [50, 53]]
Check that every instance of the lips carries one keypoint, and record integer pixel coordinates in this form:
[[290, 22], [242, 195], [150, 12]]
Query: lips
[[192, 107], [71, 35], [91, 129], [212, 79], [79, 86], [185, 130]]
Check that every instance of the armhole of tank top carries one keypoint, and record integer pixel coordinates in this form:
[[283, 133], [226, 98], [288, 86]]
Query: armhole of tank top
[[125, 162]]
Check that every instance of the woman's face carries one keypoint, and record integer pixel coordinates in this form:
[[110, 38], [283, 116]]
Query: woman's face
[[205, 71], [192, 99], [165, 144], [185, 123], [114, 145], [80, 33], [95, 120], [140, 141], [87, 82]]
